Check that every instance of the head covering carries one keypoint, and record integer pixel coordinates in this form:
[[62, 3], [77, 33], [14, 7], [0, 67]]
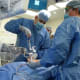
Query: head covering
[[44, 15], [74, 4]]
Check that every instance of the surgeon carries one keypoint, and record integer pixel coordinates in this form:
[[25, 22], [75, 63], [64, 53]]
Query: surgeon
[[64, 54], [37, 36]]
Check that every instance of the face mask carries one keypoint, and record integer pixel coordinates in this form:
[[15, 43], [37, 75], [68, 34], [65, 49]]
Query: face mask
[[39, 25], [66, 16]]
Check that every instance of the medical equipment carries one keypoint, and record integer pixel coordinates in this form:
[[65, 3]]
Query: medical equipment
[[32, 49], [32, 53], [9, 53], [9, 8]]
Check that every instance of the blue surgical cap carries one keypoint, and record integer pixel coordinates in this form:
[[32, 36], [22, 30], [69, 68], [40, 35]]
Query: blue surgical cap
[[44, 15], [74, 4]]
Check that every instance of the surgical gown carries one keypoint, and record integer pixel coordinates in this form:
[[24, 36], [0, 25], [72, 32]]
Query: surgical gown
[[65, 51], [40, 38], [20, 71]]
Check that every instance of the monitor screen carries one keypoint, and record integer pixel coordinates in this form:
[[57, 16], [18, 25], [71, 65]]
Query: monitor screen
[[37, 4], [10, 8]]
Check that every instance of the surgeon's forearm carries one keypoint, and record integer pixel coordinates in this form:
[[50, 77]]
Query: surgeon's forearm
[[25, 30]]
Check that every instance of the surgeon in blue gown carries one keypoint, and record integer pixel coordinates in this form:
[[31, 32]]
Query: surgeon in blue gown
[[65, 51], [62, 60], [39, 36]]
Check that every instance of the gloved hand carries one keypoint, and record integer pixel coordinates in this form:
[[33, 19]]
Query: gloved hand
[[26, 31], [33, 55]]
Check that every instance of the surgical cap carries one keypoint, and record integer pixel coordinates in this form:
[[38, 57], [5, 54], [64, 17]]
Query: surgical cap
[[74, 4], [44, 15]]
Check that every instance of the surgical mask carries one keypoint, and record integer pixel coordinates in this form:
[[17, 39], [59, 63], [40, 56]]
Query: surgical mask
[[39, 25], [66, 16]]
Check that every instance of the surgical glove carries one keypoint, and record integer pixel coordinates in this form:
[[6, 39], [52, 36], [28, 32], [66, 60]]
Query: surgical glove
[[26, 31], [33, 55]]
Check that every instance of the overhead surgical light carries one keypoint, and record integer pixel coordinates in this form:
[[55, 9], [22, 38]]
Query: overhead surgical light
[[52, 8]]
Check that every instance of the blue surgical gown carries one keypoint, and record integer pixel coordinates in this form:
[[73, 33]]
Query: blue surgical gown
[[40, 38], [65, 51], [20, 71]]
